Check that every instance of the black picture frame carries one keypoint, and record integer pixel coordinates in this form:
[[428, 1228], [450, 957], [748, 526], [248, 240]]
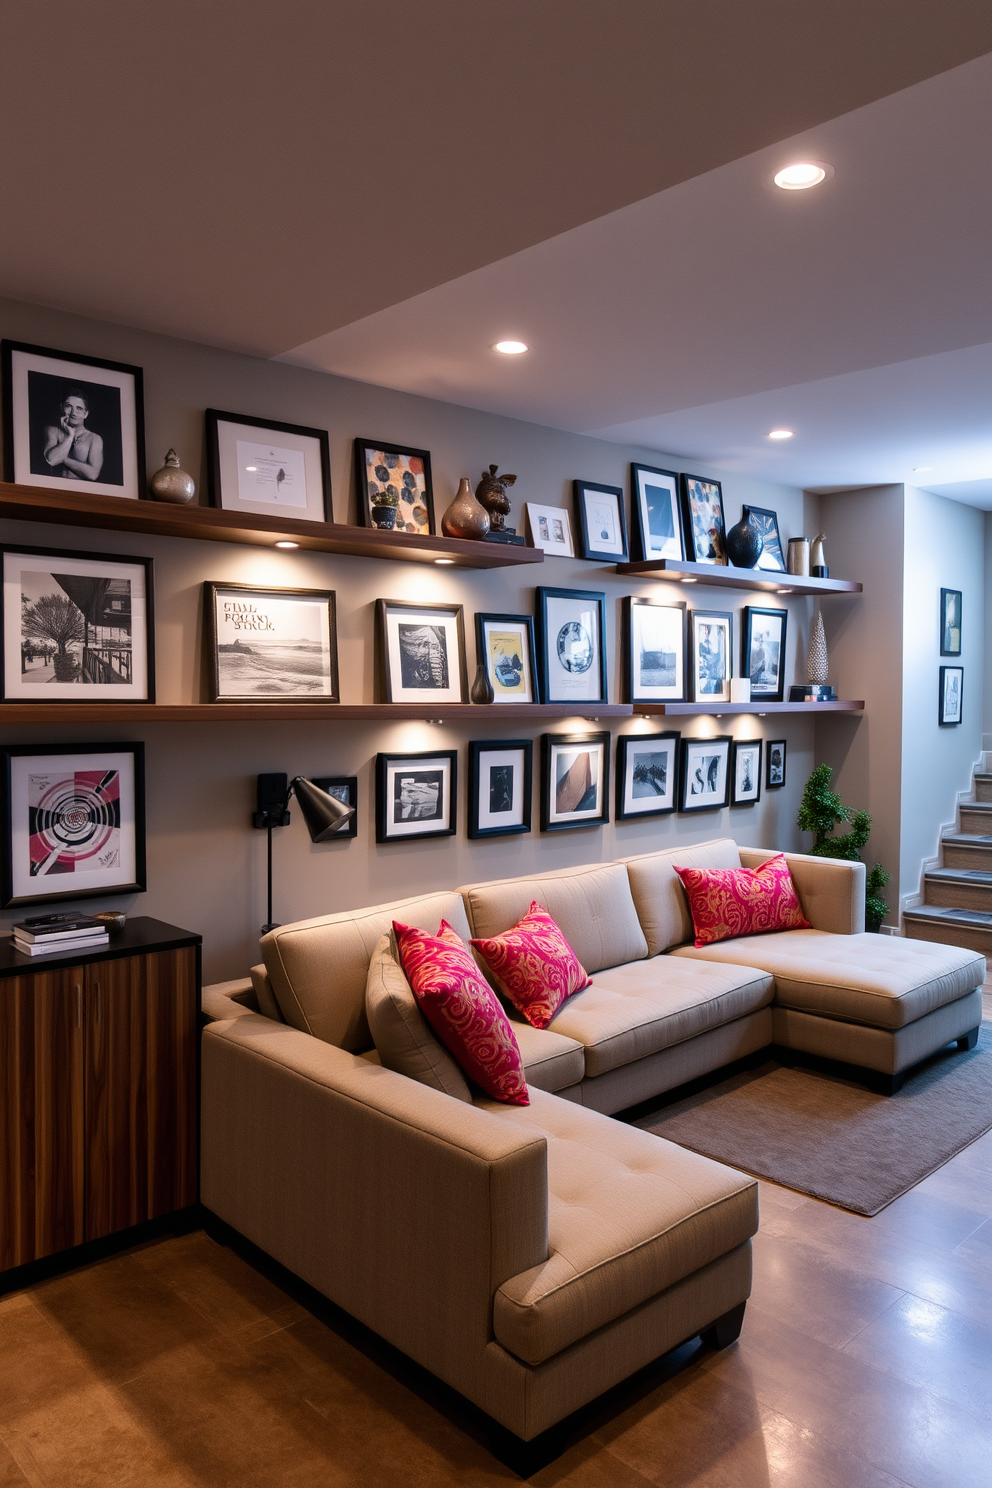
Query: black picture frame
[[69, 817], [428, 763], [594, 542], [656, 506], [629, 746], [224, 475], [695, 769], [343, 788], [246, 595], [396, 688], [754, 655], [950, 633], [491, 652], [700, 688], [772, 557], [776, 751], [478, 765], [741, 797], [704, 525], [637, 688], [571, 641], [950, 696], [31, 393], [367, 485], [553, 817]]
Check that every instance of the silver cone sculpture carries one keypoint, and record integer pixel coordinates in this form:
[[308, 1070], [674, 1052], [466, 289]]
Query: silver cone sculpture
[[816, 656]]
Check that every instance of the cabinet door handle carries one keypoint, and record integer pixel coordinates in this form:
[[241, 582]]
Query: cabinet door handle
[[79, 1004]]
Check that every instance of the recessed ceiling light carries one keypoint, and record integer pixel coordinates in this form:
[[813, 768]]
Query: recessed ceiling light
[[803, 175], [511, 348], [781, 434], [287, 544]]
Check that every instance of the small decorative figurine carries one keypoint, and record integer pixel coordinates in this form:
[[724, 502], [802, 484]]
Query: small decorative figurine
[[171, 483], [491, 492], [465, 517], [818, 558], [744, 543]]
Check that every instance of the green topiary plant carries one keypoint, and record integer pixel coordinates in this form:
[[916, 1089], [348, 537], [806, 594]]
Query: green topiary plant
[[819, 812]]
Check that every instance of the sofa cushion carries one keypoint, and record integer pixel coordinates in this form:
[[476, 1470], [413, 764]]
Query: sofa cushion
[[729, 902], [629, 1215], [533, 965], [264, 995], [658, 894], [883, 981], [551, 1061], [592, 906], [403, 1039]]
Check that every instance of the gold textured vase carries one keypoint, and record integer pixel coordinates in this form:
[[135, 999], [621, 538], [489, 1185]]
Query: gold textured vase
[[465, 517]]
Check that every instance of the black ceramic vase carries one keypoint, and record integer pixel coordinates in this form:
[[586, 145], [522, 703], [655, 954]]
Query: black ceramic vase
[[744, 543], [482, 688]]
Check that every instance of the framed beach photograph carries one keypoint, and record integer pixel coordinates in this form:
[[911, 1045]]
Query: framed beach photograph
[[277, 644], [550, 530], [415, 795], [504, 645], [343, 788], [702, 513], [711, 641], [574, 780], [571, 631], [647, 774], [421, 652], [74, 822], [772, 557], [950, 622], [951, 694], [705, 777], [602, 528], [775, 764], [72, 419], [268, 468], [654, 651], [763, 652], [656, 515], [77, 627], [394, 487], [500, 783], [745, 772]]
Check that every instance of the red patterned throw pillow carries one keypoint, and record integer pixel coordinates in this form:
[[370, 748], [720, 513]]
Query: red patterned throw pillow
[[728, 902], [534, 966], [463, 1010]]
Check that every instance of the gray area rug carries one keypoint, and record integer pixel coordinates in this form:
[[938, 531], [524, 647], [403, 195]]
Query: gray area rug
[[831, 1137]]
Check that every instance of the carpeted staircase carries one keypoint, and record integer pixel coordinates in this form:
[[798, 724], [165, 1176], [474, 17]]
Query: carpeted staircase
[[957, 896]]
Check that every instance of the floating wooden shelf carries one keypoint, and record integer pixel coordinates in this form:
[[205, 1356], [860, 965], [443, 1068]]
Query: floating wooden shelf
[[210, 524], [723, 576], [669, 710], [40, 713]]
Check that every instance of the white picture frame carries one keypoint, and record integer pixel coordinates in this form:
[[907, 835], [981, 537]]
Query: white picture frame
[[550, 529]]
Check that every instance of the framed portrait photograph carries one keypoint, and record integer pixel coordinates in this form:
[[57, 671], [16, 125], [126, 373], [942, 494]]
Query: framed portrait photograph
[[654, 651], [415, 795], [571, 631], [550, 530], [763, 652], [574, 780], [657, 519], [647, 774], [500, 783], [504, 645], [950, 622], [602, 527], [711, 640], [775, 764], [951, 694], [268, 468], [74, 821], [421, 652], [279, 644], [705, 777], [702, 510], [395, 488], [772, 557], [745, 772], [72, 419], [343, 788], [77, 627]]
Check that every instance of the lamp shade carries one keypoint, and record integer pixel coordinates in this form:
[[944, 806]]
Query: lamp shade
[[324, 814]]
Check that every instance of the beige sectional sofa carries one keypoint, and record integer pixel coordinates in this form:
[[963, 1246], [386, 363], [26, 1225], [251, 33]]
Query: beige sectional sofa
[[534, 1256]]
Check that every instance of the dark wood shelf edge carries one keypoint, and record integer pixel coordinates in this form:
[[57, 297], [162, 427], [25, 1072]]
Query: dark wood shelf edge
[[723, 575], [41, 713], [669, 710]]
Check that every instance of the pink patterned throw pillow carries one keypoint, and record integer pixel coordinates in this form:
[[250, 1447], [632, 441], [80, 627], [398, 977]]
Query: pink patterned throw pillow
[[463, 1010], [534, 966], [728, 902]]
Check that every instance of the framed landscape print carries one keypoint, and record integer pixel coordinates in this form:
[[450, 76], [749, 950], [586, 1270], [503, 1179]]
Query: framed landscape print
[[702, 513], [772, 557], [745, 772], [711, 639], [500, 782], [268, 468], [602, 529], [654, 651], [415, 795], [763, 652], [950, 622], [74, 821], [657, 521], [395, 488], [775, 764], [77, 627], [705, 778], [276, 644], [343, 788], [422, 652], [504, 645], [72, 420], [647, 774], [550, 530], [951, 694], [571, 629], [574, 779]]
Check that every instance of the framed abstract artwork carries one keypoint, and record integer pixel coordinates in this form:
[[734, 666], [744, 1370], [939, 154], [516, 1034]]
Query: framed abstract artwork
[[268, 468], [602, 528], [647, 775], [772, 557], [705, 778], [270, 644], [711, 642], [763, 652], [504, 645], [571, 651], [421, 652], [395, 488], [574, 780], [950, 622], [775, 764], [657, 520], [745, 772], [415, 795], [654, 651], [702, 515], [500, 782], [951, 695]]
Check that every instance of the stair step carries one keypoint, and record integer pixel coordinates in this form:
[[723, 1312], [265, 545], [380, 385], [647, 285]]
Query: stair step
[[975, 814], [983, 786], [961, 875], [951, 915], [958, 888], [970, 928]]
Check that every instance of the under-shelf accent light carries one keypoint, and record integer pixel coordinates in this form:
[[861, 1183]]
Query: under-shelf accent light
[[287, 544], [444, 560], [511, 348], [802, 175]]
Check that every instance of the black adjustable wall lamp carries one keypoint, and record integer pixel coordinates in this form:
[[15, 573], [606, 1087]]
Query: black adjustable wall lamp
[[323, 813]]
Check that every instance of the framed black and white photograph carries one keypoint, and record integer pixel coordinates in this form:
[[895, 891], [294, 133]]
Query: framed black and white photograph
[[950, 622], [72, 419], [395, 487], [711, 635], [571, 631], [500, 785], [74, 821], [647, 774], [951, 694], [602, 528], [745, 772], [550, 529], [575, 778], [343, 788], [763, 652], [654, 651], [504, 645], [415, 795], [421, 652], [276, 644], [702, 515], [775, 764], [656, 516], [772, 557], [268, 468], [705, 776], [77, 627]]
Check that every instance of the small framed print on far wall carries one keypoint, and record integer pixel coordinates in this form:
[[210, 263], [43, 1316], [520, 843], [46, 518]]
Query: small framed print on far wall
[[571, 629], [602, 529], [500, 777], [647, 775], [268, 468], [775, 764], [654, 651], [421, 652], [951, 694], [574, 778], [415, 795], [950, 622], [745, 772], [504, 645]]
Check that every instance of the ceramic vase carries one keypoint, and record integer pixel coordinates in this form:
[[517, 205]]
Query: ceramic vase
[[744, 543], [171, 483], [465, 517], [482, 688], [816, 657]]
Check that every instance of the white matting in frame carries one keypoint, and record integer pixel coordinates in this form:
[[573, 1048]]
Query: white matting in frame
[[500, 782], [268, 469], [647, 774]]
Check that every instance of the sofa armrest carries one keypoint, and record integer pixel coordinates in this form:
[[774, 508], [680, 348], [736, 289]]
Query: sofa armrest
[[831, 890]]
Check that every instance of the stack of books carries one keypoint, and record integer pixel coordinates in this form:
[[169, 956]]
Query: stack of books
[[44, 934]]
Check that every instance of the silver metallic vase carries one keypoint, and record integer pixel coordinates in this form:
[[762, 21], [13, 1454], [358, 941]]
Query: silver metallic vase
[[171, 483]]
